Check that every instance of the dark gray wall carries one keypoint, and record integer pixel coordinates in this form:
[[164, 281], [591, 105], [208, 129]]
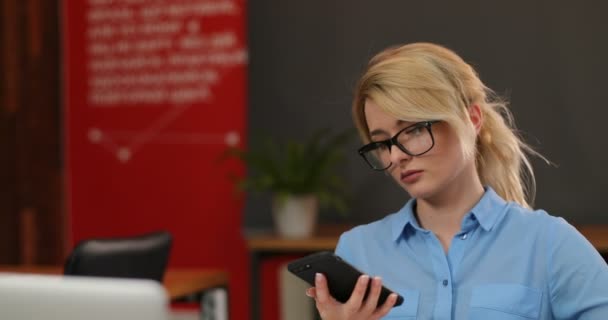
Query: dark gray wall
[[548, 57]]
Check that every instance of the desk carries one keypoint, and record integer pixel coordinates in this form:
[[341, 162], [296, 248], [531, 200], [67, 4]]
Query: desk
[[179, 283], [261, 246]]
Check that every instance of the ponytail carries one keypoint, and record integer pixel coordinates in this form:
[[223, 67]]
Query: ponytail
[[502, 157]]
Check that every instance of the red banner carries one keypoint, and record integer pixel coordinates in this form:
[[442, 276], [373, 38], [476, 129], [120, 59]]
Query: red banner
[[154, 93]]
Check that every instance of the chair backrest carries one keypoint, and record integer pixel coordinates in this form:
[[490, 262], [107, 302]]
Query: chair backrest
[[144, 257]]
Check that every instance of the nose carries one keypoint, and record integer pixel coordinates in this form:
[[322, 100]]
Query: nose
[[398, 156]]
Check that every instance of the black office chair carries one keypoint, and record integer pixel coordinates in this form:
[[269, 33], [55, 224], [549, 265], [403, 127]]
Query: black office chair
[[144, 256]]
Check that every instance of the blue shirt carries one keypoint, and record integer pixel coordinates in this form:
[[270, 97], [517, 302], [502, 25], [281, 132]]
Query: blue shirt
[[506, 263]]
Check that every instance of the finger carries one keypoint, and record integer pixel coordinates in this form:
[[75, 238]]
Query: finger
[[321, 290], [311, 292], [356, 298], [371, 302], [386, 307]]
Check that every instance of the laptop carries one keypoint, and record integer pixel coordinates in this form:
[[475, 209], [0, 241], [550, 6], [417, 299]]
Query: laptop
[[54, 297]]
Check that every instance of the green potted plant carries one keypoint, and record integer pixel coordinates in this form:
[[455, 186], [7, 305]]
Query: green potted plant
[[300, 175]]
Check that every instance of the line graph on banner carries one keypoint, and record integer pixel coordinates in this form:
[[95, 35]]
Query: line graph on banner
[[124, 144], [164, 53]]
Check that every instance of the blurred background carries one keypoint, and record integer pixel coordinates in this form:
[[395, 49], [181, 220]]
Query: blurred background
[[114, 115]]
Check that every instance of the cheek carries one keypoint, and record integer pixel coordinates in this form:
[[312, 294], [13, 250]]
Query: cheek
[[394, 173], [448, 148], [446, 158]]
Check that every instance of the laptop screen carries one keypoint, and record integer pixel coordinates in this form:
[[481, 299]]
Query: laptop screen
[[49, 297]]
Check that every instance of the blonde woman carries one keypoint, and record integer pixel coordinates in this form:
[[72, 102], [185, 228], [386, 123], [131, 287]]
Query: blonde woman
[[467, 245]]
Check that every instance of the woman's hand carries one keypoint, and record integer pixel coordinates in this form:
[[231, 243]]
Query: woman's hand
[[355, 308]]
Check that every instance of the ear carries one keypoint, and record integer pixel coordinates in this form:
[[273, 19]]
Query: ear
[[476, 117]]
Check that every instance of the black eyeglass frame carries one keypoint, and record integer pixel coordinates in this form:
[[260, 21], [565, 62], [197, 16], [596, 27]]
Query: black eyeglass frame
[[393, 142]]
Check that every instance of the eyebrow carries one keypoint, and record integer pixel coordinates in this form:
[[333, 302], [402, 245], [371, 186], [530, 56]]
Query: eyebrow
[[380, 131]]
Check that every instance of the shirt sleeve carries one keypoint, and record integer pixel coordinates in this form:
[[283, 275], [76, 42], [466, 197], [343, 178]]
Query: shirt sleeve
[[343, 248], [578, 275]]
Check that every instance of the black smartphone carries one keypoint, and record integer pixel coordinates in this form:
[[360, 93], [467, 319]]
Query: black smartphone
[[341, 276]]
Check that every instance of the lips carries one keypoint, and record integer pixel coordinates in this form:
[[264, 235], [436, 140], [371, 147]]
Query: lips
[[411, 176]]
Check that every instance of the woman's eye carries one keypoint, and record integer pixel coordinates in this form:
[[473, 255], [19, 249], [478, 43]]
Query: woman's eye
[[379, 145], [415, 131]]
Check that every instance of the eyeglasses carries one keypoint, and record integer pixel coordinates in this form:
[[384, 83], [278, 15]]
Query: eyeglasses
[[415, 140]]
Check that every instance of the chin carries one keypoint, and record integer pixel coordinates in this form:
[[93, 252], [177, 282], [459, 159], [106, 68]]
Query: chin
[[419, 190]]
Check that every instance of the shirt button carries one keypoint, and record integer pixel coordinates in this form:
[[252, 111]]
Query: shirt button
[[445, 283], [464, 236]]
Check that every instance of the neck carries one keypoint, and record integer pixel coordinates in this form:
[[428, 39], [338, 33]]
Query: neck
[[443, 212]]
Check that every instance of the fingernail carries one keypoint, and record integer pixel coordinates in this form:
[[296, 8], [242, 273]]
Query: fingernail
[[317, 276], [308, 293], [365, 278]]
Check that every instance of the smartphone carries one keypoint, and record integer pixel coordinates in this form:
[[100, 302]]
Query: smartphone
[[341, 276]]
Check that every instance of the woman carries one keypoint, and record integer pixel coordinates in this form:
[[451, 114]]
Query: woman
[[467, 245]]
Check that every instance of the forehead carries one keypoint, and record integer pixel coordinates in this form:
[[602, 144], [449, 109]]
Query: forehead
[[379, 120]]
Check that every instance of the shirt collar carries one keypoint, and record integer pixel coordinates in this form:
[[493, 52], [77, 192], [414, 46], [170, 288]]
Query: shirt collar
[[487, 212], [404, 218]]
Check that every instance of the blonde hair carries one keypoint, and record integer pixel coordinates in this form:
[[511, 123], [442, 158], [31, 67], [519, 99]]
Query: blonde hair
[[424, 81]]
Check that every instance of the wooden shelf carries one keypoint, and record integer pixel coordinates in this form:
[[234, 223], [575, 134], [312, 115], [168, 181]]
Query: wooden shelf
[[275, 243], [327, 238], [597, 234]]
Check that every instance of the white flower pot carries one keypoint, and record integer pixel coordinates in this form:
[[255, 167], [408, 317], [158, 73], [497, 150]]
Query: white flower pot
[[295, 216]]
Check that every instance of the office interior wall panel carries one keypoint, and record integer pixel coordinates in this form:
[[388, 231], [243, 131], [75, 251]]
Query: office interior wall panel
[[31, 203]]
